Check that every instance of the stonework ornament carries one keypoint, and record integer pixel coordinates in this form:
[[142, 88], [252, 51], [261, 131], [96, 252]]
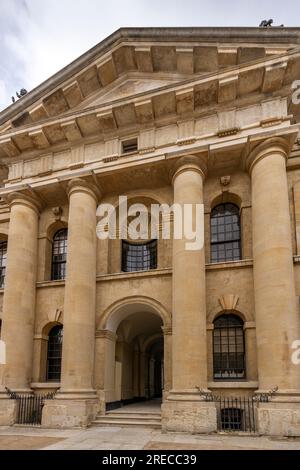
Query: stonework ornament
[[57, 212], [228, 301]]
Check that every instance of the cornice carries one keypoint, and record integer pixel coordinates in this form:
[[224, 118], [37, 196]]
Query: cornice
[[177, 87], [189, 34]]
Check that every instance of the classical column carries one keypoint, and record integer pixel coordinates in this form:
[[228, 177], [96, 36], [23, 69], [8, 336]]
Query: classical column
[[184, 405], [19, 295], [79, 308], [276, 309], [19, 292]]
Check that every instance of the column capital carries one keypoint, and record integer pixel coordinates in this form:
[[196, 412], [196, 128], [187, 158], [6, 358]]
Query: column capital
[[106, 334], [277, 145], [189, 163], [76, 185], [167, 330], [19, 197]]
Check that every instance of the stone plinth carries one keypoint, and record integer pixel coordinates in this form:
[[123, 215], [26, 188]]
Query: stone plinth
[[7, 410], [280, 416], [187, 412], [70, 410]]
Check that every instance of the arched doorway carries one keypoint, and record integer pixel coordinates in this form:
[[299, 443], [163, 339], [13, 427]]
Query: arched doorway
[[131, 351], [138, 363]]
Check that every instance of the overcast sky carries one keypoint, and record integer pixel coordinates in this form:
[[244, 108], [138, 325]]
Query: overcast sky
[[39, 37]]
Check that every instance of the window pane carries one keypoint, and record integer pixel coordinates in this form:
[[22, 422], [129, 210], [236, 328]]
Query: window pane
[[139, 257], [59, 254], [54, 354], [229, 347], [3, 254], [225, 233]]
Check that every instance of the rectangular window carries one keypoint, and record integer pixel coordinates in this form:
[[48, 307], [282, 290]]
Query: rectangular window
[[3, 255], [130, 145], [139, 256]]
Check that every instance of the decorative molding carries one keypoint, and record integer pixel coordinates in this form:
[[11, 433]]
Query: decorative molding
[[227, 132], [40, 337], [110, 159], [55, 316], [77, 157], [167, 330], [269, 122], [187, 141], [107, 334], [146, 150], [225, 180], [228, 301], [57, 212]]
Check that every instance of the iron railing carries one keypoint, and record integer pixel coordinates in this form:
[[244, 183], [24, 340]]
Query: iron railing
[[237, 413], [29, 407]]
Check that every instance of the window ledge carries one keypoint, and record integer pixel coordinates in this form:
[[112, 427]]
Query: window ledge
[[59, 282], [134, 274], [37, 385], [228, 384], [241, 263]]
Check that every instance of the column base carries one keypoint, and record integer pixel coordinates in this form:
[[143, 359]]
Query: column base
[[185, 411], [280, 416], [101, 402], [70, 409]]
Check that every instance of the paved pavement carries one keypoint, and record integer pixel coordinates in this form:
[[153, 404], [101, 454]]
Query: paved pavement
[[117, 438]]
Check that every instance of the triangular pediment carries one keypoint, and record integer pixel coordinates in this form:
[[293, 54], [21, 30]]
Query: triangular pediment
[[125, 88], [139, 76], [168, 54]]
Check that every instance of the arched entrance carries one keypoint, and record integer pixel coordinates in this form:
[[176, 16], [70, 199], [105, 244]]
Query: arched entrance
[[131, 351], [139, 364]]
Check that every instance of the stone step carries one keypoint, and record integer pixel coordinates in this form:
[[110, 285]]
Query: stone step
[[133, 416], [126, 423]]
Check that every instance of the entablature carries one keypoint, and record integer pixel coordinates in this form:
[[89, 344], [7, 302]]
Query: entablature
[[212, 130]]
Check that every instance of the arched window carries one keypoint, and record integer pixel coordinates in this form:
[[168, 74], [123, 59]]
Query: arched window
[[229, 347], [54, 354], [3, 254], [225, 233], [59, 254], [139, 256]]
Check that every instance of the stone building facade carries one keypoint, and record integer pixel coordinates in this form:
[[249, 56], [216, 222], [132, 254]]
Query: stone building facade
[[162, 115]]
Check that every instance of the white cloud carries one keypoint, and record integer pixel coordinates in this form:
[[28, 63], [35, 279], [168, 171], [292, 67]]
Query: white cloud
[[3, 92]]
